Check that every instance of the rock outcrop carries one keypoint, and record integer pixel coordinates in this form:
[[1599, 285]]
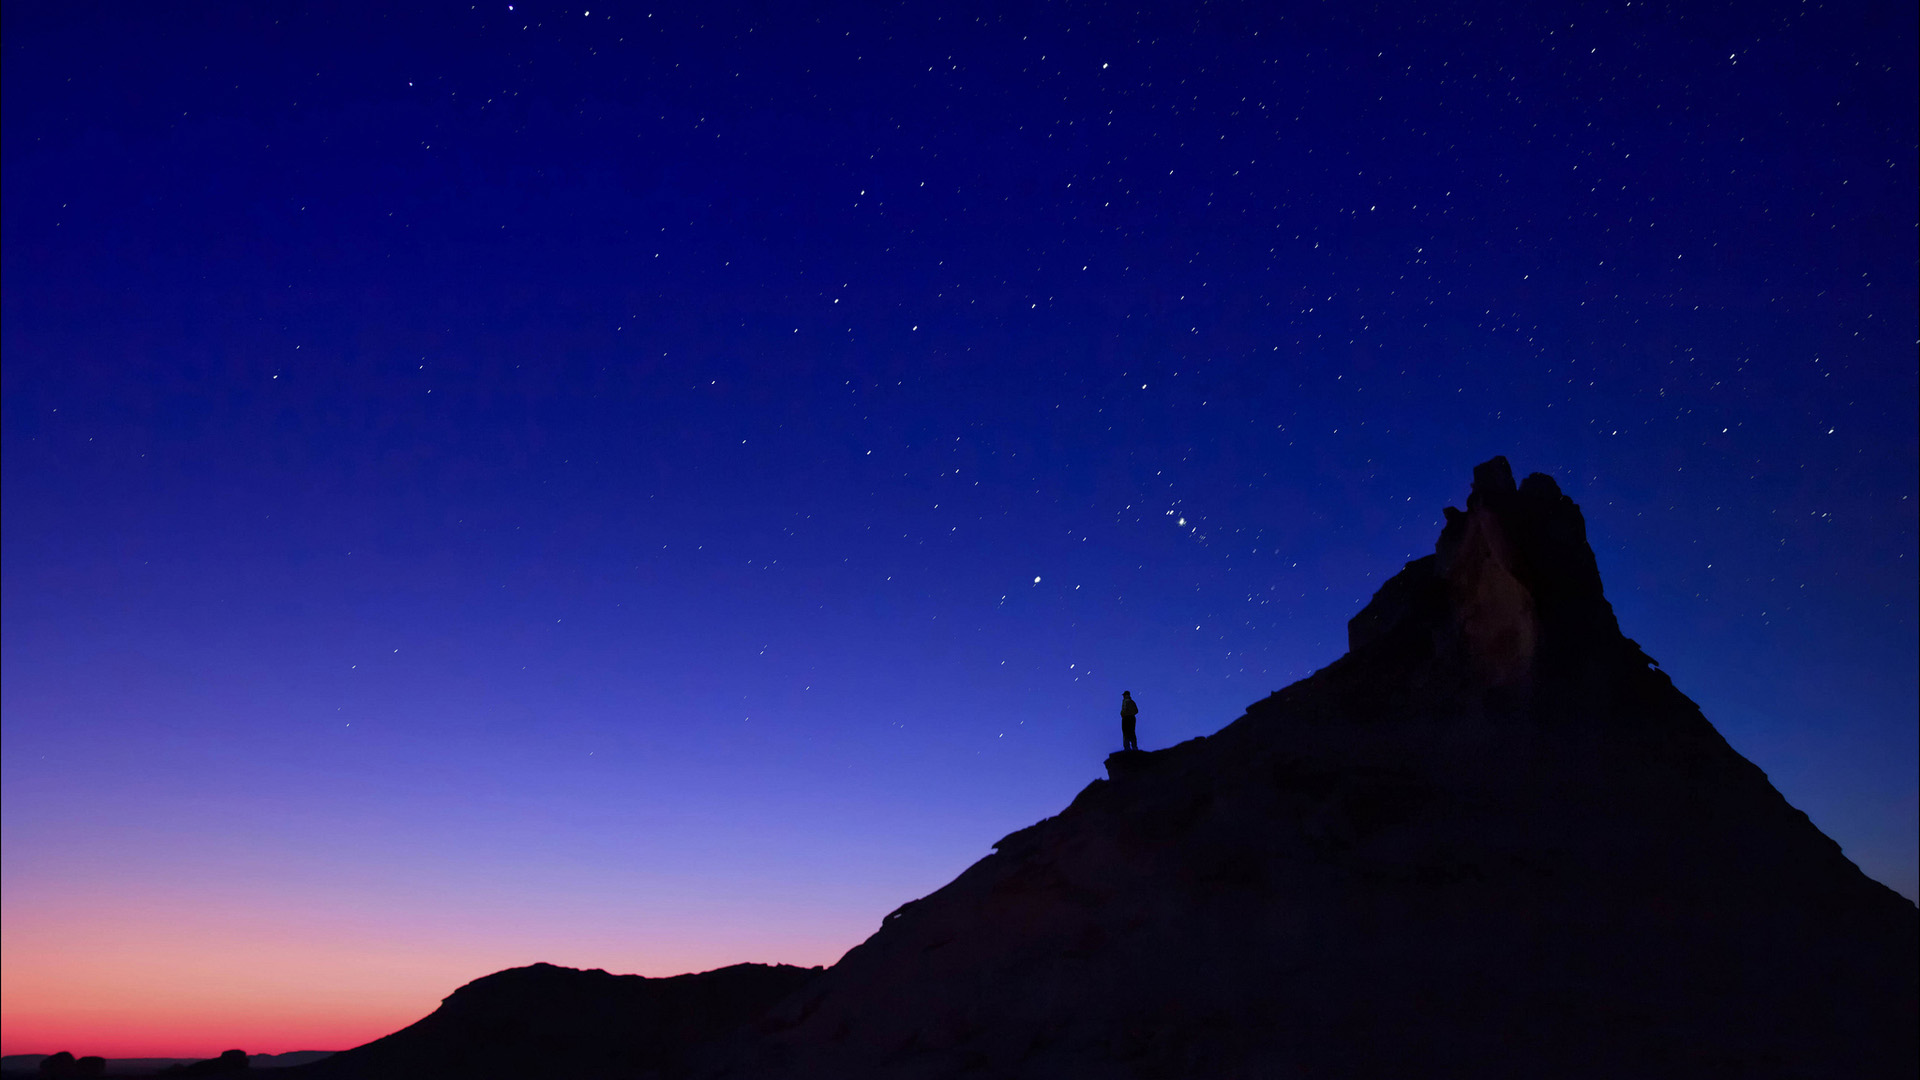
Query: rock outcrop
[[65, 1064], [1493, 840]]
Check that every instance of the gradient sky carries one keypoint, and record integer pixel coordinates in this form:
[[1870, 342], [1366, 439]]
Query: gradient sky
[[657, 487]]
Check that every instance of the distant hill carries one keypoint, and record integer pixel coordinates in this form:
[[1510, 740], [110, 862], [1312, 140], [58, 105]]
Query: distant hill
[[544, 1020], [1493, 840], [288, 1059]]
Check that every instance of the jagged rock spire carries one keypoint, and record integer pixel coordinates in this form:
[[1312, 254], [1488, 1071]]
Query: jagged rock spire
[[1511, 595]]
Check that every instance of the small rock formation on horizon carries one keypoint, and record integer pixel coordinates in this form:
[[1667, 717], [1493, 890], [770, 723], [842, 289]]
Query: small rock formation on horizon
[[1493, 840], [229, 1061], [65, 1064]]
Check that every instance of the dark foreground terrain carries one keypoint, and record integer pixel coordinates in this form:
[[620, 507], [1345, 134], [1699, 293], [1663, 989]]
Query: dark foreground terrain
[[66, 1063], [1493, 840]]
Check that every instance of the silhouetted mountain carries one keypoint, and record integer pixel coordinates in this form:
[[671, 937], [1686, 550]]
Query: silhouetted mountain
[[547, 1021], [1492, 840]]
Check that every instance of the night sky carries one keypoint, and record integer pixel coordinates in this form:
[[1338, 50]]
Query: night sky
[[652, 488]]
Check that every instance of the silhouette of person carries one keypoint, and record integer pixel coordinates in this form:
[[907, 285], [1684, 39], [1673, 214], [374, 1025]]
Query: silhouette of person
[[1128, 710]]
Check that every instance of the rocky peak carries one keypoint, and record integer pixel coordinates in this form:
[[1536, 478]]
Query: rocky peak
[[1511, 594]]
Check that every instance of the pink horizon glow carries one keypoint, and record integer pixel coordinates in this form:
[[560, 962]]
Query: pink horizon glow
[[192, 988]]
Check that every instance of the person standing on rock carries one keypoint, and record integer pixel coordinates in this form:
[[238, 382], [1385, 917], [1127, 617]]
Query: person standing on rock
[[1128, 710]]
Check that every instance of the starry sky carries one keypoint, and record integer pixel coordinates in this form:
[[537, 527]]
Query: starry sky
[[653, 487]]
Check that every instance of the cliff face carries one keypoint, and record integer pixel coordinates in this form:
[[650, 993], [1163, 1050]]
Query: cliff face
[[1492, 840]]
